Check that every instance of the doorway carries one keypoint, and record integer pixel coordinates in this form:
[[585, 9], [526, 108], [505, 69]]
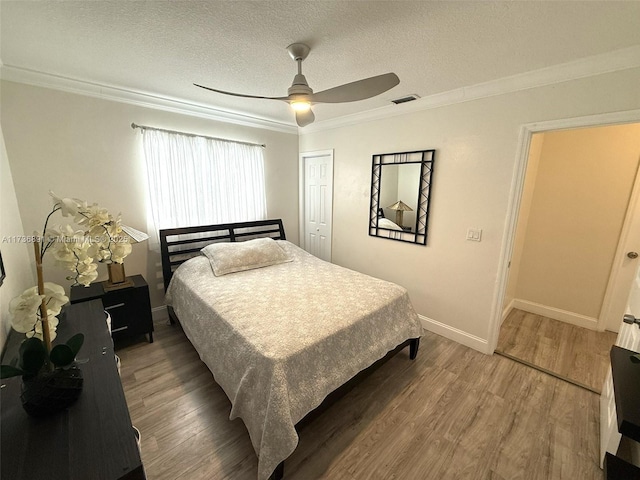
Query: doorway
[[316, 203], [574, 205]]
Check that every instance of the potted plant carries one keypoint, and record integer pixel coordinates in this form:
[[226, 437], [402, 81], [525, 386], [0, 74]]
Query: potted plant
[[51, 378]]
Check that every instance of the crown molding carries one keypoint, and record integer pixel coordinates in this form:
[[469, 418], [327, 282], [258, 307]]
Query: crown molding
[[617, 60], [143, 99]]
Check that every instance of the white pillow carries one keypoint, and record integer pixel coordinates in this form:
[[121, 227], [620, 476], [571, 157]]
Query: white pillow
[[240, 256], [388, 224]]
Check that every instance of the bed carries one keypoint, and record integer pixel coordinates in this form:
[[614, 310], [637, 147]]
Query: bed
[[283, 336]]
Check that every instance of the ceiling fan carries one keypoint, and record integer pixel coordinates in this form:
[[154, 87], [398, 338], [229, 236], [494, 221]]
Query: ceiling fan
[[301, 97]]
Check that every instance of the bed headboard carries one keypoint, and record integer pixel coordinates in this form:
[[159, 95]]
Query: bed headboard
[[177, 245]]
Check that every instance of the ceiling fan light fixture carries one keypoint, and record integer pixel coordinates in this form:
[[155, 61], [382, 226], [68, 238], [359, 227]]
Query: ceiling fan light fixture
[[300, 105]]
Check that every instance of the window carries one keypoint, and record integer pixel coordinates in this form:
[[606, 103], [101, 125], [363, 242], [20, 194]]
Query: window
[[197, 180]]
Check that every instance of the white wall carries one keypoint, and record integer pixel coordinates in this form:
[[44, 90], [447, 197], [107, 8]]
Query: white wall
[[17, 257], [453, 282], [84, 147]]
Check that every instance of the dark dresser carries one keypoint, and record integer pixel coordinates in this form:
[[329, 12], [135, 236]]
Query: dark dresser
[[92, 439], [626, 386]]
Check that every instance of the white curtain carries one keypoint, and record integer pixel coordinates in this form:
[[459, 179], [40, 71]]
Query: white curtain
[[201, 181]]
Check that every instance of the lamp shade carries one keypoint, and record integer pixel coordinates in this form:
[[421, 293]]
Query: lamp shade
[[401, 206], [135, 236]]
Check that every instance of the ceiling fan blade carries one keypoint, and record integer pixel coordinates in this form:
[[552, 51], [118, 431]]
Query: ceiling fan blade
[[359, 90], [240, 94], [304, 118]]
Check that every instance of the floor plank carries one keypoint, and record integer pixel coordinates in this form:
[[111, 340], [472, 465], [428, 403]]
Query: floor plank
[[577, 354], [453, 413]]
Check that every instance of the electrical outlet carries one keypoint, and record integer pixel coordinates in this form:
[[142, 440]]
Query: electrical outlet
[[474, 235]]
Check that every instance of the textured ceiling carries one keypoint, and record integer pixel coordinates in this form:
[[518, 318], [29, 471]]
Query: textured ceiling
[[162, 47]]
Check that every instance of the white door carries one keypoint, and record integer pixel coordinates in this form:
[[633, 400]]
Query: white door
[[629, 338], [623, 269], [619, 301], [317, 202]]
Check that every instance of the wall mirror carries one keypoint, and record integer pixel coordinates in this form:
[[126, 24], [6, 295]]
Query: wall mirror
[[400, 188]]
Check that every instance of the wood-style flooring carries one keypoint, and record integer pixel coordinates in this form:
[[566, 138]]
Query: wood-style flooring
[[453, 413], [577, 354]]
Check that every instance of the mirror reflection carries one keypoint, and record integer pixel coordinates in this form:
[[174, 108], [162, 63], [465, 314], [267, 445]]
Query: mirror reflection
[[399, 188]]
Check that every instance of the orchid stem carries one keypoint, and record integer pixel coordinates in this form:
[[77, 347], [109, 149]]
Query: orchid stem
[[44, 318]]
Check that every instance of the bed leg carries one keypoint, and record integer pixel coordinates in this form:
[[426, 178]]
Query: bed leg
[[172, 315], [413, 348], [278, 473]]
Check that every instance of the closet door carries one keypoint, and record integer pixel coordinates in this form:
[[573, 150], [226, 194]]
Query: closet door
[[317, 203]]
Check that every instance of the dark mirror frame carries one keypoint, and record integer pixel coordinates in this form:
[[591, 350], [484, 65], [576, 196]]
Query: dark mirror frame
[[419, 234]]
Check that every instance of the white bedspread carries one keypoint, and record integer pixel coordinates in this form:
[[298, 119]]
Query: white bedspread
[[279, 339]]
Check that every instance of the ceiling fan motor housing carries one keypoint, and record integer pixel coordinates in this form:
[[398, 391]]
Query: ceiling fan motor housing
[[299, 86]]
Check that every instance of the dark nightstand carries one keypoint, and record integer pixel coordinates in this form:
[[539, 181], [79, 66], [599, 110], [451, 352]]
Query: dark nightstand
[[130, 308]]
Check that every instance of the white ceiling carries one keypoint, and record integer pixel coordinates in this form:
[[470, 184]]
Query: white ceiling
[[162, 47]]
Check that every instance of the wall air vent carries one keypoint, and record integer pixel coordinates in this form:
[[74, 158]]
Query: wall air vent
[[408, 98]]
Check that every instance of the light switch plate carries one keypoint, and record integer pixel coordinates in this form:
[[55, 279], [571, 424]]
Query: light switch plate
[[474, 235]]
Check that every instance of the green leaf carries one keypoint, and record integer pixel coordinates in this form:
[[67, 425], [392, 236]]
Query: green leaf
[[61, 355], [8, 371], [75, 343], [32, 355]]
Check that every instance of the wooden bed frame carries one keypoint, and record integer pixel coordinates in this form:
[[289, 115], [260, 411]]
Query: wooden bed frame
[[177, 245]]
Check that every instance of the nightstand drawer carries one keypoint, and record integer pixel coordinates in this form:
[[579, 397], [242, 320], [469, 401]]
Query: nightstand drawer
[[129, 307], [119, 318]]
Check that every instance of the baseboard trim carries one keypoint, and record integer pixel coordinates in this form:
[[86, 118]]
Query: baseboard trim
[[507, 311], [160, 314], [556, 314], [455, 334]]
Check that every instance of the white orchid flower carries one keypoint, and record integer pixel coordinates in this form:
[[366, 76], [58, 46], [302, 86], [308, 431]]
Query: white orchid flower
[[114, 227], [87, 266], [68, 206], [55, 298], [100, 240], [100, 235], [23, 311], [119, 251], [86, 279], [37, 332], [96, 215]]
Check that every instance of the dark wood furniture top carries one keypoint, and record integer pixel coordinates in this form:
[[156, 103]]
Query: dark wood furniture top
[[129, 307], [92, 439], [177, 245], [626, 387], [618, 469]]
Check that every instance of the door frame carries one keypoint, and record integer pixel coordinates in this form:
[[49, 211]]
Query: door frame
[[515, 197], [301, 191]]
